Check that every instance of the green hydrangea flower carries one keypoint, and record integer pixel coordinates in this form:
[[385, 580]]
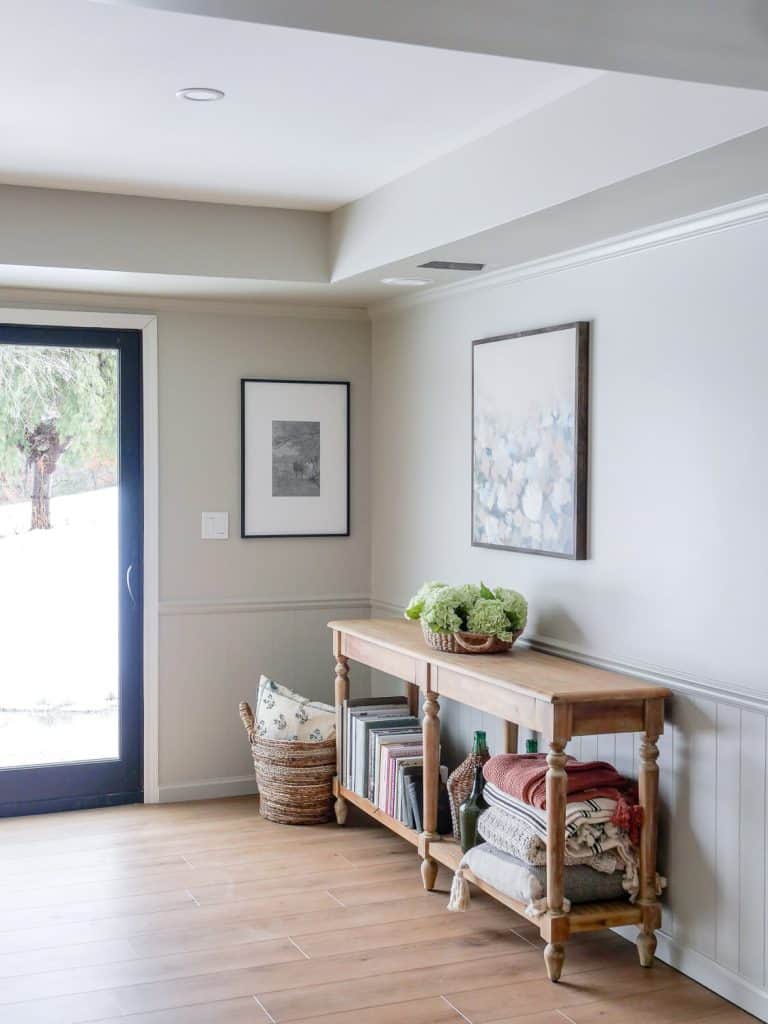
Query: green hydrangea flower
[[515, 606], [466, 596], [439, 611], [416, 604], [479, 609], [488, 616]]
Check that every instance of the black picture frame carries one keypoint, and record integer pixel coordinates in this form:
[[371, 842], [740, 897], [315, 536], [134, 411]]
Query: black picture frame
[[582, 329], [244, 382]]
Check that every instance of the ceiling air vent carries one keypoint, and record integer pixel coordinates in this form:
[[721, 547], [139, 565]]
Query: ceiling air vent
[[451, 265]]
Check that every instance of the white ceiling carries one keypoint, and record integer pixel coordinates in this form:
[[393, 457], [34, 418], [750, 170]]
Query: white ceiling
[[311, 121]]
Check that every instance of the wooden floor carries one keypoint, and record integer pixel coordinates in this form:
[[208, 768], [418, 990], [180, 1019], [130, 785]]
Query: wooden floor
[[205, 914]]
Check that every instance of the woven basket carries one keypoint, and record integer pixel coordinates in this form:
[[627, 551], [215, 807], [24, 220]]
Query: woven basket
[[459, 786], [294, 778], [467, 643]]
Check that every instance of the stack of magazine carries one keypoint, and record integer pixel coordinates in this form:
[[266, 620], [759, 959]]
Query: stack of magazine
[[383, 756]]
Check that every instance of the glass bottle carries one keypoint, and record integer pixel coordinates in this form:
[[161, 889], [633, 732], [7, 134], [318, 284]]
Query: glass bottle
[[480, 745], [471, 810]]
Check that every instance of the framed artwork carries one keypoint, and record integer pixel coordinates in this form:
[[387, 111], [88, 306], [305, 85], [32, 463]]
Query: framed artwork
[[295, 458], [530, 394]]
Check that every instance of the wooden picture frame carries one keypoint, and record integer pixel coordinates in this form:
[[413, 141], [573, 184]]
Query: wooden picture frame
[[529, 381], [294, 458]]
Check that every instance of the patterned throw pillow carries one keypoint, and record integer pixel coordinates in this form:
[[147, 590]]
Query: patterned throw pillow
[[282, 714]]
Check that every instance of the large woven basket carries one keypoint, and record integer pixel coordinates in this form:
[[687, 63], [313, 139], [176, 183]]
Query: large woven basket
[[466, 643], [294, 778]]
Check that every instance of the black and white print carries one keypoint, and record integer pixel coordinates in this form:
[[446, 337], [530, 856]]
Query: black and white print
[[295, 458]]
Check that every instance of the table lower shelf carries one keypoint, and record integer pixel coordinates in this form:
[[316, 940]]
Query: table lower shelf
[[582, 917]]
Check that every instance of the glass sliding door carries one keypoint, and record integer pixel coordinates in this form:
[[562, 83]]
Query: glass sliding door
[[70, 568]]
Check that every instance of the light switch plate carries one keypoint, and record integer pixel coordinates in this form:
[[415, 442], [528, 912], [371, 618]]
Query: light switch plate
[[215, 526]]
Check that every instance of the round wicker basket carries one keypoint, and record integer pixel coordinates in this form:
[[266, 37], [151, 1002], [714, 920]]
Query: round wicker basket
[[467, 643], [294, 778]]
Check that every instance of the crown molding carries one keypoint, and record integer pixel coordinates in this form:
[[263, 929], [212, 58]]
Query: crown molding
[[748, 211]]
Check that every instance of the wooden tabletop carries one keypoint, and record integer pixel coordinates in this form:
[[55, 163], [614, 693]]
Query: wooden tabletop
[[542, 676]]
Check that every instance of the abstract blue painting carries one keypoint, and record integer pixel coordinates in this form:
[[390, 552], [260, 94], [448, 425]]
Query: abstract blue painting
[[529, 457]]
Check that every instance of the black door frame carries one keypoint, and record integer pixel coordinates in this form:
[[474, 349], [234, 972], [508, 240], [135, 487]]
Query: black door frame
[[77, 785]]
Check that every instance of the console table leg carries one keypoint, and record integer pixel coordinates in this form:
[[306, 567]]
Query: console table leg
[[511, 732], [429, 869], [340, 694], [554, 958], [556, 782], [431, 734], [648, 786]]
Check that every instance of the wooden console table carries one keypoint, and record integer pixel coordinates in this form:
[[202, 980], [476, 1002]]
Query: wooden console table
[[554, 696]]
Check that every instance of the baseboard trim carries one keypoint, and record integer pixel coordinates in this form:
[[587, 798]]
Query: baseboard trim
[[360, 602], [208, 789], [707, 972]]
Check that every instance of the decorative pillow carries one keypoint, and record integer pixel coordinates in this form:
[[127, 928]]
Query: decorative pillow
[[282, 714]]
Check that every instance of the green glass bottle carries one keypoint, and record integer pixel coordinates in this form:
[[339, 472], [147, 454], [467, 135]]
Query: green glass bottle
[[480, 744], [471, 810]]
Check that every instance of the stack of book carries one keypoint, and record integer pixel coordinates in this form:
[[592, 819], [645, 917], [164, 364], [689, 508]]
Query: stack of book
[[383, 756]]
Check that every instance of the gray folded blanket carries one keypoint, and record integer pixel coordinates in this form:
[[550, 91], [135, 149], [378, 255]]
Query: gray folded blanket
[[527, 883]]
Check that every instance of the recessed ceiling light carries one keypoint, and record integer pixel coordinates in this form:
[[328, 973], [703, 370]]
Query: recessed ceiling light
[[200, 94], [406, 282]]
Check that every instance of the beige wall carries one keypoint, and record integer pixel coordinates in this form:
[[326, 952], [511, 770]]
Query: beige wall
[[230, 610], [211, 653]]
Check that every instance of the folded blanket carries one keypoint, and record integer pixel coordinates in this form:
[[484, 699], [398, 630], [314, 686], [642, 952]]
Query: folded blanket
[[591, 838], [521, 838], [597, 810], [528, 884], [523, 776]]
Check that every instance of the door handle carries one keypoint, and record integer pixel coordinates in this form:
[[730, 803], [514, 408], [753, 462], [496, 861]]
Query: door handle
[[128, 577]]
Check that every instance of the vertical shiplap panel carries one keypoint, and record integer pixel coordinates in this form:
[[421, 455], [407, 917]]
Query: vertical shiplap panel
[[692, 842], [752, 909], [667, 812], [606, 749], [765, 865], [588, 751], [625, 755], [726, 839]]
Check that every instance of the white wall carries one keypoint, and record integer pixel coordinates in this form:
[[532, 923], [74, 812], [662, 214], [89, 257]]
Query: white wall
[[678, 550]]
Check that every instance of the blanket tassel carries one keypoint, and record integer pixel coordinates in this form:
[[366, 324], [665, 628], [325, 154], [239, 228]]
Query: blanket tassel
[[460, 897]]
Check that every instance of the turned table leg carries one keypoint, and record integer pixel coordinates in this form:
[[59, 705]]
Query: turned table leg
[[648, 785], [341, 693], [554, 953], [431, 734], [511, 732]]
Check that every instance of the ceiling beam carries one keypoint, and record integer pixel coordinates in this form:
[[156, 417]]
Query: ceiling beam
[[723, 43], [132, 234]]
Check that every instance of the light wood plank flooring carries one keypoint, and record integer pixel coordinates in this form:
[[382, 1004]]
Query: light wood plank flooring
[[203, 913]]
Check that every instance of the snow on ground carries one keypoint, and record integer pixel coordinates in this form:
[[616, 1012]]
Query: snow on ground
[[59, 631]]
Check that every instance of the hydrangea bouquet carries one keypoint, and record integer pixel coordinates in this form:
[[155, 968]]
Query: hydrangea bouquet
[[469, 608]]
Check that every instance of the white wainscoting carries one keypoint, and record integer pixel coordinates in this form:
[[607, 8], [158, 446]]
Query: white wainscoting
[[713, 761], [211, 656]]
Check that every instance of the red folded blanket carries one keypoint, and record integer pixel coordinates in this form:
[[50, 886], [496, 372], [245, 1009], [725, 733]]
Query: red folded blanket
[[523, 776]]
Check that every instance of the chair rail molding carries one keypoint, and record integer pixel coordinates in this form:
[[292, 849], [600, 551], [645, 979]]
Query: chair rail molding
[[719, 692], [360, 602]]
